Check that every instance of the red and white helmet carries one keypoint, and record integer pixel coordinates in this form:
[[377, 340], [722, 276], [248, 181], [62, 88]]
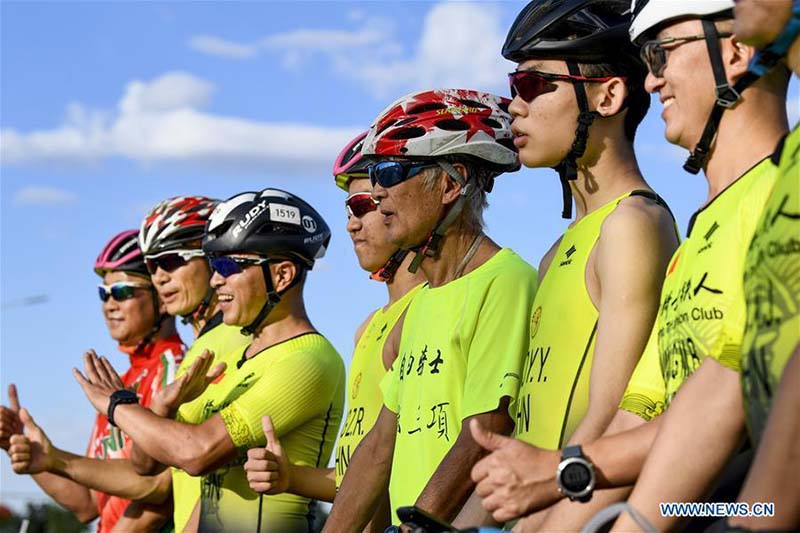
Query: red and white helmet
[[175, 223], [445, 122]]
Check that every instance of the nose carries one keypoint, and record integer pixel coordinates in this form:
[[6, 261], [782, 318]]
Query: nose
[[652, 83], [353, 224], [217, 280], [518, 107], [110, 305], [160, 276], [378, 192]]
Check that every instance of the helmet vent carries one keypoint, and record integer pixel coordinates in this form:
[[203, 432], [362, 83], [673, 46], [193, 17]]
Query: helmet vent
[[407, 133], [452, 125], [473, 103], [385, 126], [424, 108], [492, 123]]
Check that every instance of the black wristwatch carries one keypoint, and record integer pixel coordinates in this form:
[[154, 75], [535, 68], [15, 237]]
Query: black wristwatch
[[121, 396], [575, 475]]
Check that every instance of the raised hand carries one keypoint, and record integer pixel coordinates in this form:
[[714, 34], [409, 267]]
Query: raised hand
[[268, 468], [10, 423], [189, 386], [30, 453], [100, 382], [516, 478]]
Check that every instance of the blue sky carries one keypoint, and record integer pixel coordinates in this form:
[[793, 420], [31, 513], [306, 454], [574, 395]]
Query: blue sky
[[108, 108]]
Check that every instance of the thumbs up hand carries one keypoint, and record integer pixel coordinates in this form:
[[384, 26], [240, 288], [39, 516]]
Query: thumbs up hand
[[30, 453], [268, 468], [515, 479], [10, 423]]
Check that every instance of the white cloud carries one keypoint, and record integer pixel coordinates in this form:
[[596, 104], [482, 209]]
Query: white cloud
[[459, 47], [44, 196], [161, 121], [215, 46]]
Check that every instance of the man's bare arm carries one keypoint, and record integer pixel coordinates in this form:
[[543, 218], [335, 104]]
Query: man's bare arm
[[367, 477], [707, 415]]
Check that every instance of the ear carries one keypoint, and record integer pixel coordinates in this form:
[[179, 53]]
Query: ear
[[736, 56], [452, 189], [609, 97], [283, 273]]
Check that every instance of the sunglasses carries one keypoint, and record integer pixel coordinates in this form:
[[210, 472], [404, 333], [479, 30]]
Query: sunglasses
[[529, 84], [359, 204], [390, 173], [171, 260], [227, 266], [121, 291], [654, 54]]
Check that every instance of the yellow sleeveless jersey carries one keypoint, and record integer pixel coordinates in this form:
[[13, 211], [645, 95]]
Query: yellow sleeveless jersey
[[461, 352], [702, 310], [224, 341], [554, 393], [772, 290], [300, 383], [363, 384]]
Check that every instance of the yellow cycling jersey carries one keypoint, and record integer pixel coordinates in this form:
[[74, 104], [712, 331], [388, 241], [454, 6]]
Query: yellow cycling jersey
[[702, 310], [461, 352], [363, 385], [554, 393], [224, 341], [300, 383], [772, 290]]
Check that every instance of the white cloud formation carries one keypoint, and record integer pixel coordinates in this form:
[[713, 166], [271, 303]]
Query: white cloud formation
[[44, 196], [216, 46], [162, 121], [459, 47]]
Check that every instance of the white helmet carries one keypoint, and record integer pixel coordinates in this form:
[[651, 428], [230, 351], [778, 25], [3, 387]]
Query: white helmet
[[647, 14]]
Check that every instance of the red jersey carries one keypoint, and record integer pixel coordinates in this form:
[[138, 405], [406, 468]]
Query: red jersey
[[152, 367]]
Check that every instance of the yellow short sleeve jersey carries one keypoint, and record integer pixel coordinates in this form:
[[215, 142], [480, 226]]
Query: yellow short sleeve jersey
[[225, 341], [363, 384], [702, 311], [772, 290], [300, 383], [461, 352]]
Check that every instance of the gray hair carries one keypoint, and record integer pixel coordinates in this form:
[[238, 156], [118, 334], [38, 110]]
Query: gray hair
[[471, 217]]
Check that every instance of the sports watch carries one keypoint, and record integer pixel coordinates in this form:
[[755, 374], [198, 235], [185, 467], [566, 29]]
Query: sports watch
[[120, 397], [575, 475]]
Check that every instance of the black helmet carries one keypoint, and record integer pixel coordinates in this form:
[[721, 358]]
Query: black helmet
[[272, 223], [584, 31], [581, 31]]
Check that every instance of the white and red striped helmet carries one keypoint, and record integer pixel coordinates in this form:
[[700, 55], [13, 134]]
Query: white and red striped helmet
[[175, 223]]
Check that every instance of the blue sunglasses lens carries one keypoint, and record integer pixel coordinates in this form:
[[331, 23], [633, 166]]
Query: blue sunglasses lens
[[119, 292], [390, 173], [225, 266]]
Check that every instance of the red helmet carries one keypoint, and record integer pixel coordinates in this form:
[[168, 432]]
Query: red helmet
[[175, 223], [446, 122], [122, 254], [349, 164]]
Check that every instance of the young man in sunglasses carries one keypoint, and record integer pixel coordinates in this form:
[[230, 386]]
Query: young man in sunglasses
[[135, 319], [578, 100], [268, 469], [691, 364], [261, 247], [435, 155]]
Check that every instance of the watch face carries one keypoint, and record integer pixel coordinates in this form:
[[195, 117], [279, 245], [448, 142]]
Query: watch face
[[575, 477]]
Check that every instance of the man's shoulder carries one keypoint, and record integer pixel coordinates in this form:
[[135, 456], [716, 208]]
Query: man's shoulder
[[638, 220]]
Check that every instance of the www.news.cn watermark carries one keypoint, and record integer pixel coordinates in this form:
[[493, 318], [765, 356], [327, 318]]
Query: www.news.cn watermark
[[716, 509]]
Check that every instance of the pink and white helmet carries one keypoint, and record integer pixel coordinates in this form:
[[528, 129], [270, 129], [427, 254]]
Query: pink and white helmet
[[445, 122], [349, 164], [122, 254]]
